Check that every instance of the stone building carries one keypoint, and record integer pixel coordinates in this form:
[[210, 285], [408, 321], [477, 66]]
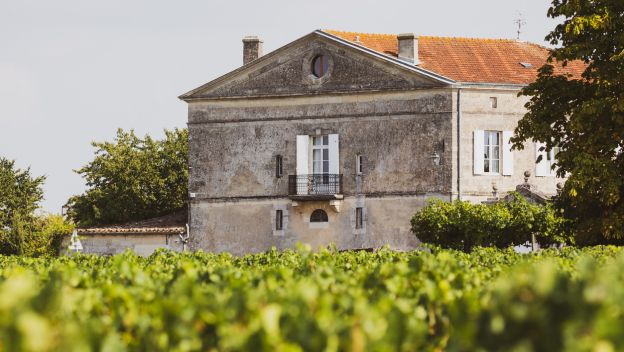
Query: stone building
[[143, 237], [340, 137]]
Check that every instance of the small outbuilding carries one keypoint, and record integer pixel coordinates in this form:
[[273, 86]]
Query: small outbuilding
[[143, 237]]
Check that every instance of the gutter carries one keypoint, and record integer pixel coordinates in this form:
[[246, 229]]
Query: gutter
[[459, 190]]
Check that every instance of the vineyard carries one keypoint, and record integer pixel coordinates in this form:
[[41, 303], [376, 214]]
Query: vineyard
[[436, 300]]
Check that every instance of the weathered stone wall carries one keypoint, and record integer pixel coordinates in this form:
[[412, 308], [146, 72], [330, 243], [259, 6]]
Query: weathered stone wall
[[232, 157], [143, 244], [477, 114], [247, 226], [233, 146]]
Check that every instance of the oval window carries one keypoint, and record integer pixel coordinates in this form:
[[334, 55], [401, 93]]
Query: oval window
[[318, 215], [320, 65]]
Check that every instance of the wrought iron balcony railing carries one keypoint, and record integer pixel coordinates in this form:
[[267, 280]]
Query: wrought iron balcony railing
[[314, 184]]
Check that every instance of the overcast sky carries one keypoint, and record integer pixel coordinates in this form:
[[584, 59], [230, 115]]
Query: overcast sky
[[73, 71]]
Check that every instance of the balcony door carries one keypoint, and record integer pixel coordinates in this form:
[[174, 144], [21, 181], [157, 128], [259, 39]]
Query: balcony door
[[317, 164], [320, 163]]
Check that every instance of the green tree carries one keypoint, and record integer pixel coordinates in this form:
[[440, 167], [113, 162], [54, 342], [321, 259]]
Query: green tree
[[20, 192], [584, 116], [133, 178], [21, 231]]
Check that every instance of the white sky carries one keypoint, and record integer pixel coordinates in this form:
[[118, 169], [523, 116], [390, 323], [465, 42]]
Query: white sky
[[73, 71]]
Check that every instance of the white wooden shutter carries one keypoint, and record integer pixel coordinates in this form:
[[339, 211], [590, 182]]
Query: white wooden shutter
[[542, 168], [478, 157], [303, 145], [508, 162], [334, 151], [303, 152]]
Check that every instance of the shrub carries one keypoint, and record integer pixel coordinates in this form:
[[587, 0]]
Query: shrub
[[37, 236], [462, 225]]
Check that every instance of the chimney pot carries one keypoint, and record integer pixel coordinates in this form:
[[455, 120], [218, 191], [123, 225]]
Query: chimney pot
[[252, 49], [408, 47]]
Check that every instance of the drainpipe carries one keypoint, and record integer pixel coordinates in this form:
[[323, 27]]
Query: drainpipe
[[459, 191]]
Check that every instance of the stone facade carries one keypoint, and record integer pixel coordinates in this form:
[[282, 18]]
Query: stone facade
[[399, 122]]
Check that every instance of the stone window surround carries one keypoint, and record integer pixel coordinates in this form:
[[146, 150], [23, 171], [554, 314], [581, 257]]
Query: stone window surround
[[359, 203], [306, 67], [284, 209]]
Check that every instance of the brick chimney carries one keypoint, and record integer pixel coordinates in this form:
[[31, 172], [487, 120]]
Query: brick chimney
[[252, 49], [408, 47]]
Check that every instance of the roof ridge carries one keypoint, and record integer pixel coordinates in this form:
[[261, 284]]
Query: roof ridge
[[432, 36]]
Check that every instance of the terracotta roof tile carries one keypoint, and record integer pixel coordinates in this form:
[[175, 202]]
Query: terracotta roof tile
[[168, 224], [469, 59]]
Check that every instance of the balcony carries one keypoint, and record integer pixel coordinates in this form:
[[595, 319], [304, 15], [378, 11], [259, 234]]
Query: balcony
[[315, 187]]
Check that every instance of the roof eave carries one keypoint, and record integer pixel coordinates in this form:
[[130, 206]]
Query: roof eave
[[131, 231], [484, 85]]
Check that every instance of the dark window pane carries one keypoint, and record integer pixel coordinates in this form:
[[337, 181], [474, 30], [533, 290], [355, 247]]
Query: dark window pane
[[279, 218], [320, 65], [318, 215], [278, 166]]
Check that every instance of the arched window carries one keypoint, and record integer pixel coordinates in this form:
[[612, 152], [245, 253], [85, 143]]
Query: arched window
[[318, 215]]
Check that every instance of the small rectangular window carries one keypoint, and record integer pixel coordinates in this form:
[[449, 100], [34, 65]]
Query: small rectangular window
[[359, 219], [359, 161], [278, 166], [493, 102], [279, 219]]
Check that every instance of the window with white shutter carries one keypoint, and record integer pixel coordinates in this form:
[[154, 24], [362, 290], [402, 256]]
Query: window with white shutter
[[544, 166], [491, 152]]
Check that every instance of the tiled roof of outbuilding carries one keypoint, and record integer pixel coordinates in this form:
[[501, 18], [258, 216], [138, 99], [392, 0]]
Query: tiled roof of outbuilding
[[168, 224], [469, 59]]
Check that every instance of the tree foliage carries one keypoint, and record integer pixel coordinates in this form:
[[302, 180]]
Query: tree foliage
[[35, 236], [133, 178], [584, 115], [22, 232], [20, 192], [463, 225]]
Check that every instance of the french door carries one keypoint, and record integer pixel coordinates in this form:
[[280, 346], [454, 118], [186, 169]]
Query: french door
[[320, 164]]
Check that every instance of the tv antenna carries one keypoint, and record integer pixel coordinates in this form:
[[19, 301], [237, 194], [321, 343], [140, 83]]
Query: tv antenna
[[520, 22]]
